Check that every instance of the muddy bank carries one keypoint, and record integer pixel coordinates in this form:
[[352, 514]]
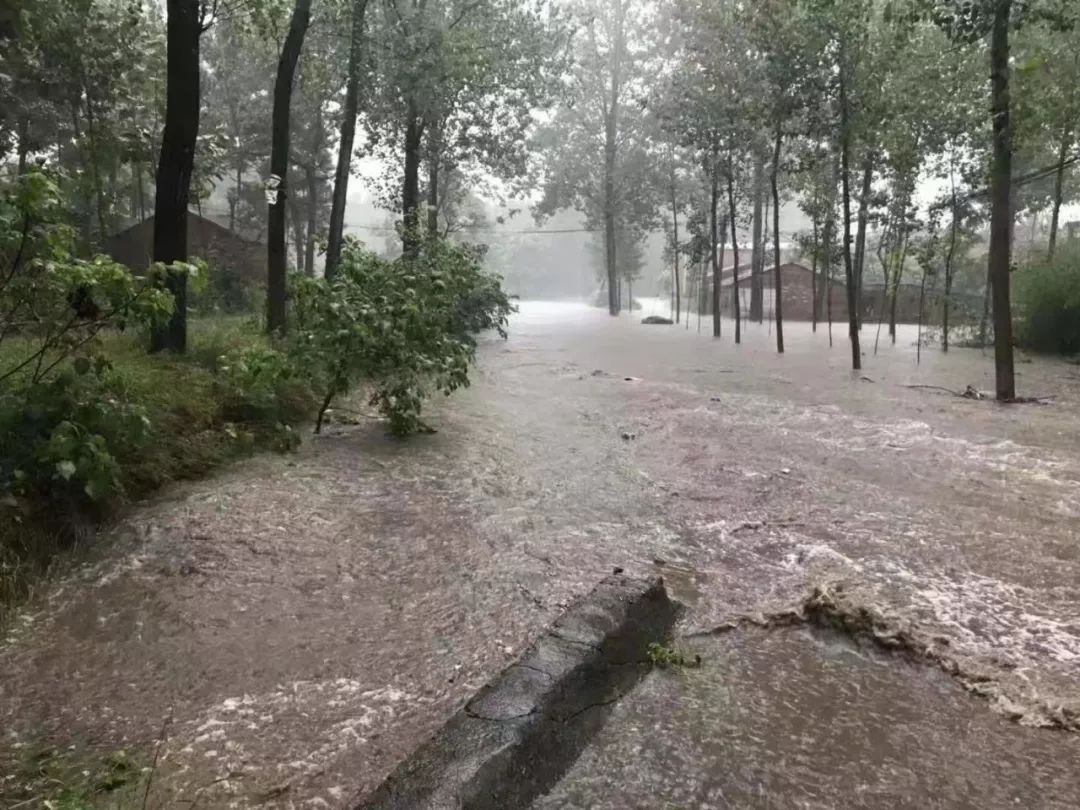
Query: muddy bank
[[308, 621]]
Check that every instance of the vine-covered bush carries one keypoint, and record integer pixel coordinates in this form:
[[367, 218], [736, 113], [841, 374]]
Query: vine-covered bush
[[404, 327]]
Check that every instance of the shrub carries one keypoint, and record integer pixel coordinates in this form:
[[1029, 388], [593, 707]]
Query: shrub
[[59, 440], [405, 327], [259, 385], [59, 427], [1048, 304]]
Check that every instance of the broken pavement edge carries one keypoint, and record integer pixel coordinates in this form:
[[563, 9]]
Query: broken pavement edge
[[520, 733]]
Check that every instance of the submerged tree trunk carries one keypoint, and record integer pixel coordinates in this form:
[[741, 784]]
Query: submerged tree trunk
[[778, 295], [898, 274], [1059, 182], [860, 233], [279, 167], [849, 270], [950, 256], [336, 236], [813, 275], [757, 261], [176, 164], [714, 202], [1001, 199], [675, 239], [737, 304]]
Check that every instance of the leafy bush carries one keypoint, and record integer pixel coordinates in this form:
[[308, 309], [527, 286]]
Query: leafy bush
[[59, 439], [59, 428], [54, 305], [260, 386], [1048, 303], [405, 327]]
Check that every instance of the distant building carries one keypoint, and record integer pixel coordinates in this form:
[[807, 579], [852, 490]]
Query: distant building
[[797, 293], [225, 251]]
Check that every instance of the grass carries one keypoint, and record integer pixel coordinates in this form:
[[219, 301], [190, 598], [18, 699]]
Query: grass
[[663, 656], [74, 779], [195, 426]]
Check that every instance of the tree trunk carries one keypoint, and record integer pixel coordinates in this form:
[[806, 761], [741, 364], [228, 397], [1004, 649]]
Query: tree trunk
[[351, 109], [1000, 213], [312, 177], [276, 288], [675, 233], [714, 202], [849, 270], [898, 274], [1059, 182], [234, 204], [95, 170], [922, 303], [813, 274], [410, 193], [176, 163], [735, 254], [757, 262], [949, 258], [24, 144], [860, 233], [611, 131], [778, 293], [433, 199], [296, 217]]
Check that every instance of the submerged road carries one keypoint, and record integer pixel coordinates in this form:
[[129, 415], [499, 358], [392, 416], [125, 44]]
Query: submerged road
[[306, 621]]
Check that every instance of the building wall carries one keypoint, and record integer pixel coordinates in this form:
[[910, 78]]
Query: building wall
[[220, 247]]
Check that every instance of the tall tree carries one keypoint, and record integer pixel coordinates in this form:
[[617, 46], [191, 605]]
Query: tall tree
[[277, 259], [348, 136], [595, 152], [175, 167]]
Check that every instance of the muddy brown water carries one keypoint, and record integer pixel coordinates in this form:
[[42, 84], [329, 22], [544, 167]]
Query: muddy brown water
[[790, 718], [306, 621]]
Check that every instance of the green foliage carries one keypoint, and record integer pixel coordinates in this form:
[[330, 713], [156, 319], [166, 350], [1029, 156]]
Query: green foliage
[[52, 303], [260, 386], [1048, 303], [665, 657], [74, 779], [406, 328]]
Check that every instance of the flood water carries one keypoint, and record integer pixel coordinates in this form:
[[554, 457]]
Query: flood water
[[306, 621], [795, 719]]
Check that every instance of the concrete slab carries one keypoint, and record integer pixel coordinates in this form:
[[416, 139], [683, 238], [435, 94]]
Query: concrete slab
[[520, 733]]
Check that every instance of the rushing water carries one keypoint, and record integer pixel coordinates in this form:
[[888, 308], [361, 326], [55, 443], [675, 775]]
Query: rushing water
[[306, 621]]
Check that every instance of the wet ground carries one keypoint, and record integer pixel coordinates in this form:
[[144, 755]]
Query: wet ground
[[304, 622]]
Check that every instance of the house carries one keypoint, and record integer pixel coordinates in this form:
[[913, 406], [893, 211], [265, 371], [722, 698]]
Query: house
[[798, 287], [225, 251]]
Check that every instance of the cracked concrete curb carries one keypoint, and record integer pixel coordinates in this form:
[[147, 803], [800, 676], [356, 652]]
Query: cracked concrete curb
[[523, 730]]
